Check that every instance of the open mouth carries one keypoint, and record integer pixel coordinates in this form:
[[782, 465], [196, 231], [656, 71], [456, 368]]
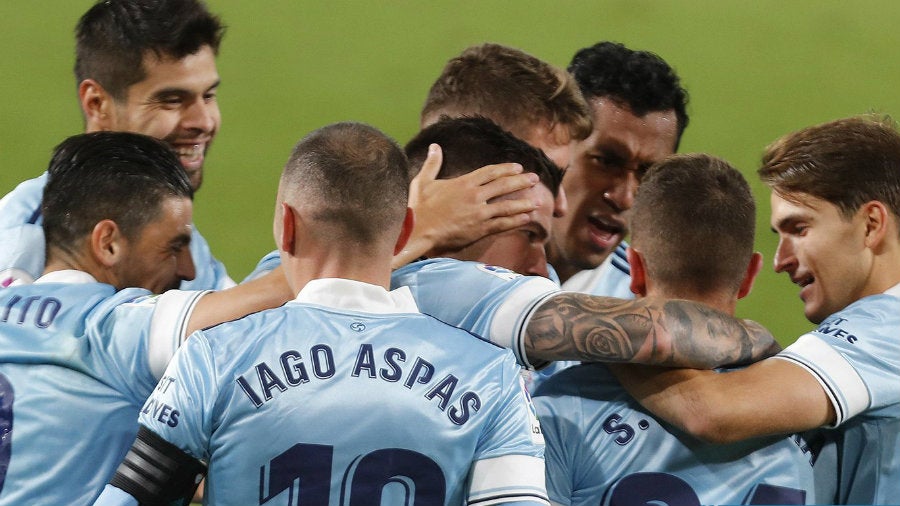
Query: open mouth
[[605, 234], [803, 282]]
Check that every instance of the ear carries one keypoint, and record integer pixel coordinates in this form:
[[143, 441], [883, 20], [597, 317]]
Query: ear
[[287, 239], [108, 244], [876, 217], [638, 272], [753, 268], [405, 231], [97, 105]]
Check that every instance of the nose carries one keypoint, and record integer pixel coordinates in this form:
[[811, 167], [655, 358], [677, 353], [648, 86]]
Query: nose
[[201, 115], [184, 267], [784, 259], [560, 203], [621, 196]]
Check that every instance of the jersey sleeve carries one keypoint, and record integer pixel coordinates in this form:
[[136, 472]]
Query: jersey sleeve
[[854, 355], [491, 302], [141, 334], [265, 265], [612, 278], [113, 496], [21, 233], [509, 461], [180, 408]]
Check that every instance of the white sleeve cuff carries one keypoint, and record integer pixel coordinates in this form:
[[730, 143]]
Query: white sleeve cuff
[[168, 326], [511, 320], [506, 479], [843, 385]]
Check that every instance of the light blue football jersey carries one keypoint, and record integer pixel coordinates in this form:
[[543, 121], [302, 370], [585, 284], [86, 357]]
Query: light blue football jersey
[[855, 355], [603, 448], [77, 362], [487, 300], [266, 264], [22, 242], [349, 394], [612, 278]]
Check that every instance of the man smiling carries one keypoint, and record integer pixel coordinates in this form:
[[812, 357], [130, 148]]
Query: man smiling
[[835, 206], [146, 67]]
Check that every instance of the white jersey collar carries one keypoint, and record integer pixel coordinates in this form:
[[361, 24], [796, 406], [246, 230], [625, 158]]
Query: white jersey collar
[[357, 296], [66, 276]]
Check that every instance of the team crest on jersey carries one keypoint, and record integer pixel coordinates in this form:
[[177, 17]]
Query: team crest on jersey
[[501, 272], [537, 435]]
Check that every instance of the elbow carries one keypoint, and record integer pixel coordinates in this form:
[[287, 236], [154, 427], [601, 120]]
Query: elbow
[[709, 428]]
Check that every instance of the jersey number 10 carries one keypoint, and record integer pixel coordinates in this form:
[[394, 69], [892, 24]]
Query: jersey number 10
[[419, 477]]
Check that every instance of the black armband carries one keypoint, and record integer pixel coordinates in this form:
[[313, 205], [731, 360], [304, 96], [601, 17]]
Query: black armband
[[158, 473]]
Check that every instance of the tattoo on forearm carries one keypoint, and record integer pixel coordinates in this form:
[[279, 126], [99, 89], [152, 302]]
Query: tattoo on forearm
[[573, 326]]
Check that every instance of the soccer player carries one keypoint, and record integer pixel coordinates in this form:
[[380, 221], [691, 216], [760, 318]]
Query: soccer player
[[602, 447], [835, 205], [536, 101], [638, 109], [80, 351], [347, 391], [144, 66], [471, 142], [523, 94], [530, 314]]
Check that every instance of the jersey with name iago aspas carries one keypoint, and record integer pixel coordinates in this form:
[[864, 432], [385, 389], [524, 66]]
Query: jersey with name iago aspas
[[325, 401]]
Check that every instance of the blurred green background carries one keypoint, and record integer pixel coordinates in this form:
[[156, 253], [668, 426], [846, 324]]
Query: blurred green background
[[755, 70]]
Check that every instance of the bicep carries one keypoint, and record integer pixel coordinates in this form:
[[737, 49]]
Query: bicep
[[772, 396]]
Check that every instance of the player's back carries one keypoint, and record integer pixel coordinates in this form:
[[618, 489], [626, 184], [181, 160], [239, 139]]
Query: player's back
[[603, 448], [325, 404], [62, 402]]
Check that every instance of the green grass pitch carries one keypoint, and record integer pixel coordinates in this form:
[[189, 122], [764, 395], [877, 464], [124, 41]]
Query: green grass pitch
[[755, 70]]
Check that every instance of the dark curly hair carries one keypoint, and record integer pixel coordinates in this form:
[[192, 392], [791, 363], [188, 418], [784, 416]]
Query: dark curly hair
[[639, 79]]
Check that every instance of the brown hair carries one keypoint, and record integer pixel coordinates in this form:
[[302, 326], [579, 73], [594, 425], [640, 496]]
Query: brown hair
[[847, 162], [694, 220], [514, 89]]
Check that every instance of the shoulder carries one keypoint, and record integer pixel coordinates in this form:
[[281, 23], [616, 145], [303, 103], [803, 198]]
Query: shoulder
[[22, 205], [869, 320], [449, 274]]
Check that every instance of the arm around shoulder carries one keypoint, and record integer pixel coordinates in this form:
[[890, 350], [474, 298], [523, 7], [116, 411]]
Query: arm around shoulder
[[265, 292], [576, 326], [773, 396]]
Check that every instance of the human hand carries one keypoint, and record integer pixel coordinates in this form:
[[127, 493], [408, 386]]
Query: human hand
[[453, 213]]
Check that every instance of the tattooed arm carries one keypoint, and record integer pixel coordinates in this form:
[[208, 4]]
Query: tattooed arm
[[575, 326]]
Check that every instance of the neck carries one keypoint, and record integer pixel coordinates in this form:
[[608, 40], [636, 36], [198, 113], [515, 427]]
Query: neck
[[300, 270], [59, 260], [564, 271], [563, 268], [884, 272], [720, 301]]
